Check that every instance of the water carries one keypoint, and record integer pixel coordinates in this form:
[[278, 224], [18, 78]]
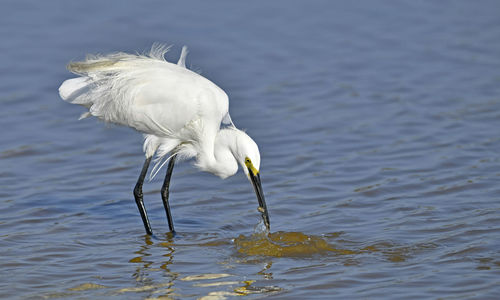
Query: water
[[377, 123]]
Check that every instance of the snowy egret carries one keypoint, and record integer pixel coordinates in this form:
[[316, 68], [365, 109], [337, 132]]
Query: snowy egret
[[182, 115]]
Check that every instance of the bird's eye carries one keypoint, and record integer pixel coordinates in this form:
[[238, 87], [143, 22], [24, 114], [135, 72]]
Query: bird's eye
[[247, 160]]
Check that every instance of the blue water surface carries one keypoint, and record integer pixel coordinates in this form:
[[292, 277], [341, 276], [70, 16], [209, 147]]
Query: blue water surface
[[378, 126]]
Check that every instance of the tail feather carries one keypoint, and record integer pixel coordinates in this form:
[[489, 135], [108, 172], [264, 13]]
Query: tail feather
[[108, 85], [92, 64], [102, 65]]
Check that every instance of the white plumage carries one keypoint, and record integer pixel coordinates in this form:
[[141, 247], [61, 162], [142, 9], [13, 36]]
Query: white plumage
[[174, 107], [179, 111]]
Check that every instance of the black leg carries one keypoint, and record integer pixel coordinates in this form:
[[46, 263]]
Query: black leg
[[138, 196], [164, 193]]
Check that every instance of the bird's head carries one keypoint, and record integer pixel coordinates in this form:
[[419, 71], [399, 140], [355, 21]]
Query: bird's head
[[248, 156], [246, 152]]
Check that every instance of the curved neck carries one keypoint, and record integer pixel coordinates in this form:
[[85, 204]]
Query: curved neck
[[220, 159]]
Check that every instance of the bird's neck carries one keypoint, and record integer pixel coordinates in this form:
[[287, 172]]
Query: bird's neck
[[220, 159]]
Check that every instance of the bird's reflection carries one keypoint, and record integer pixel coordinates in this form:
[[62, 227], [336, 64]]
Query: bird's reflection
[[146, 260], [168, 245], [154, 259], [141, 260], [265, 272]]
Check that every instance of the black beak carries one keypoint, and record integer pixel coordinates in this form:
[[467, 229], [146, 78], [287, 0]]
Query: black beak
[[255, 178]]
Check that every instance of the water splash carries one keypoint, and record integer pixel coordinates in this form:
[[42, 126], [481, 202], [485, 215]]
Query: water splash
[[260, 228]]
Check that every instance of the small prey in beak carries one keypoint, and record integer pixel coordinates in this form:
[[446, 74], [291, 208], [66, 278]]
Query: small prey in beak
[[254, 176]]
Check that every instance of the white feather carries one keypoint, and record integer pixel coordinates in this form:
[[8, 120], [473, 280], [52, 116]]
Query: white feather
[[179, 111], [182, 58]]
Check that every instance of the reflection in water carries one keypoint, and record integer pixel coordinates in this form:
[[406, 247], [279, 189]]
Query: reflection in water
[[245, 287], [153, 261], [205, 276], [144, 268], [287, 244], [248, 288], [145, 272], [264, 272]]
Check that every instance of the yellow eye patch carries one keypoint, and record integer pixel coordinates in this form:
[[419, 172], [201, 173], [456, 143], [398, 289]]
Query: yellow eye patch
[[249, 165]]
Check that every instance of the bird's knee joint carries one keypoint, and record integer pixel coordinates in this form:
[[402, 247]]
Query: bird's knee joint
[[138, 191]]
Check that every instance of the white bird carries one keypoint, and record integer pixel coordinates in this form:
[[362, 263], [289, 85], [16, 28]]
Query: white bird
[[182, 115]]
